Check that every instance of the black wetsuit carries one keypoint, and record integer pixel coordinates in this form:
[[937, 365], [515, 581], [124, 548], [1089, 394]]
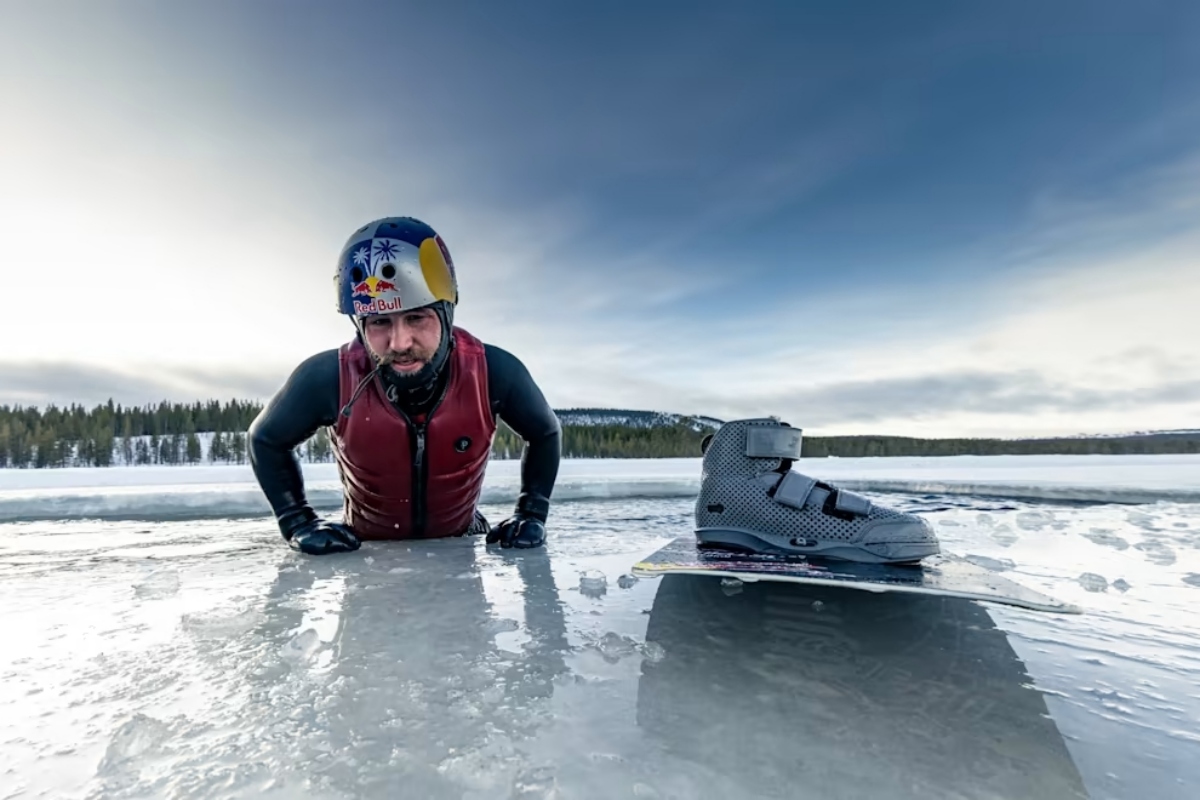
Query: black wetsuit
[[310, 399]]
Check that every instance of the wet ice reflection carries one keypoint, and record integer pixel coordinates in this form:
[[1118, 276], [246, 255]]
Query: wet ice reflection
[[204, 659]]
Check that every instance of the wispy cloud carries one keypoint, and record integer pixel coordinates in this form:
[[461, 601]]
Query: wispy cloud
[[900, 224], [934, 397], [1061, 337], [63, 383]]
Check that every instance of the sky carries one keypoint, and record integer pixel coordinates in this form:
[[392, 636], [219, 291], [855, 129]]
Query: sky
[[920, 218]]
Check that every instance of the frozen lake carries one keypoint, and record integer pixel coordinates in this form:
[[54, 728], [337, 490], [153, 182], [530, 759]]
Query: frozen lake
[[160, 640]]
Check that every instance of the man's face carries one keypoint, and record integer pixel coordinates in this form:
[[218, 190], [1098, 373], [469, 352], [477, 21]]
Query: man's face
[[407, 339]]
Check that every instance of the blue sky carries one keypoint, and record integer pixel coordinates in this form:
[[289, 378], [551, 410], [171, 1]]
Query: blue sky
[[917, 218]]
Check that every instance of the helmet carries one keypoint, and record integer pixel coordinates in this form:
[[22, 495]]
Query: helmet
[[394, 264], [398, 264]]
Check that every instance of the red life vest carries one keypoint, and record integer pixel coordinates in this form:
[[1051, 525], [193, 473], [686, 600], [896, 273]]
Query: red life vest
[[407, 479]]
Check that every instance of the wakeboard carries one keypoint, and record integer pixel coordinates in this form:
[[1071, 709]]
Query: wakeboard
[[945, 575]]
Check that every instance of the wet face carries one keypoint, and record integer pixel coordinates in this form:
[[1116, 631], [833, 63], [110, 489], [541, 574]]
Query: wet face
[[407, 340]]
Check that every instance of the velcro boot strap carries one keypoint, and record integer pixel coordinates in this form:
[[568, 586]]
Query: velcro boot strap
[[772, 442], [844, 505], [793, 489]]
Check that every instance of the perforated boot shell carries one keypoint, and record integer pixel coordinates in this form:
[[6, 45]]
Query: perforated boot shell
[[751, 500]]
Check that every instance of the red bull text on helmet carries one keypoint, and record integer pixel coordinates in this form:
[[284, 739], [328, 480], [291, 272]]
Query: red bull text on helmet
[[378, 306]]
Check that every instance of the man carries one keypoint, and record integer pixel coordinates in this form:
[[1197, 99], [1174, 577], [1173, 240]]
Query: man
[[411, 405]]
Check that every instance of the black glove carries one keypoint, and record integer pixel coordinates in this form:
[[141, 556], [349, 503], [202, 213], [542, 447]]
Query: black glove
[[526, 528], [308, 533], [518, 531]]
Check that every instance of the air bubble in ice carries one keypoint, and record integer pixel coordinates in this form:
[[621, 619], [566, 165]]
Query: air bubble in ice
[[158, 584], [1004, 536], [992, 564], [302, 646], [1032, 520], [731, 586], [593, 583], [1157, 553], [502, 625], [1106, 538], [613, 647], [653, 652], [535, 783], [138, 735], [219, 624]]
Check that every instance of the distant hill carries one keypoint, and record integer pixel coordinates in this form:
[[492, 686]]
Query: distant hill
[[619, 433], [1149, 443], [634, 419], [622, 433], [1185, 434]]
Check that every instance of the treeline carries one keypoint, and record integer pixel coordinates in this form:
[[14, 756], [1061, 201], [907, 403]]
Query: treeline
[[867, 446], [169, 433], [214, 432], [611, 441]]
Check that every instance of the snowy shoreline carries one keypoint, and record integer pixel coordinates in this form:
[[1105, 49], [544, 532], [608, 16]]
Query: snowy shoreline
[[208, 491]]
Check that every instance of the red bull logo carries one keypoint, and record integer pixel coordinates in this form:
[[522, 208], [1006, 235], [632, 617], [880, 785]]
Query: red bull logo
[[373, 287], [378, 306]]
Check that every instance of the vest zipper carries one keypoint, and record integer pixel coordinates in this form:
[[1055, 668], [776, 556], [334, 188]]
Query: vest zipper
[[418, 503], [420, 479]]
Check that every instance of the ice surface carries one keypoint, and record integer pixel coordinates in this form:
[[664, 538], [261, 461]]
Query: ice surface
[[174, 658]]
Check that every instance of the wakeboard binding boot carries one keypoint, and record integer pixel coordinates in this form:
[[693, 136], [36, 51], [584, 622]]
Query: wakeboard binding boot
[[751, 500]]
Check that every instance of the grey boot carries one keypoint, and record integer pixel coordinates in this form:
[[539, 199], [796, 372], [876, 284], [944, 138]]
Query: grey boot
[[750, 499]]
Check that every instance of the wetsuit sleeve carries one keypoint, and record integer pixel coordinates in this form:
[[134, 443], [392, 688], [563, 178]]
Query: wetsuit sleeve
[[306, 402], [516, 399]]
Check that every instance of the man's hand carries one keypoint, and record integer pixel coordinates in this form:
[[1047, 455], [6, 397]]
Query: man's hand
[[519, 531], [310, 534], [526, 527]]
